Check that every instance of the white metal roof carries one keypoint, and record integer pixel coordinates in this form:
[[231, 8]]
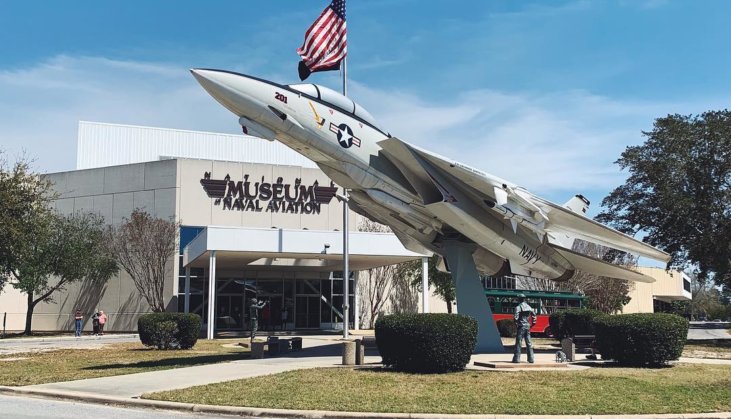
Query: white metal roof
[[102, 144], [241, 246]]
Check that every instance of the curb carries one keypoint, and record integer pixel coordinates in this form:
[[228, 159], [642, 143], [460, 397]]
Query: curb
[[310, 414]]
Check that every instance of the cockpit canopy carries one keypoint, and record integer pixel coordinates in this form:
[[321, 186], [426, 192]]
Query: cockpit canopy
[[330, 96]]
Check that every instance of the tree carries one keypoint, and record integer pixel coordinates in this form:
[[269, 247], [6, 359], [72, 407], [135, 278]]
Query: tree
[[41, 252], [25, 213], [145, 246], [70, 249], [678, 192], [441, 282], [374, 285]]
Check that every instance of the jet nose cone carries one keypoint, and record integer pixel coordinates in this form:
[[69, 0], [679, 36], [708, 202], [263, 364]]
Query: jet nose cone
[[213, 81], [240, 94]]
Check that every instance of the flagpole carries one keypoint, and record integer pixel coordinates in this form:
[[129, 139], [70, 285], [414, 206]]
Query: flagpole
[[345, 76], [346, 210]]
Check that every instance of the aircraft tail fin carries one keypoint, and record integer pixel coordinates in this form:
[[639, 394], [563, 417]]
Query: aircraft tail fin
[[578, 204]]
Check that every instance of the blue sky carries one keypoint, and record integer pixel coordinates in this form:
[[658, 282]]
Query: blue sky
[[545, 94]]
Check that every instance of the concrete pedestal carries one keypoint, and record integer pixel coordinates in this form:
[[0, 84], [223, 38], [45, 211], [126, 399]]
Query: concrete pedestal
[[349, 353], [359, 352], [568, 347]]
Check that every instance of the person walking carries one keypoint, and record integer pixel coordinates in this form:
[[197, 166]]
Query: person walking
[[102, 322], [525, 317], [78, 320]]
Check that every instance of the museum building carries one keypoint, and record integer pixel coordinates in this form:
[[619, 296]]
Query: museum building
[[257, 221]]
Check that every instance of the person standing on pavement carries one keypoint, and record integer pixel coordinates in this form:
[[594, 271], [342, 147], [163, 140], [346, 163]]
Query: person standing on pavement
[[525, 317], [284, 316], [95, 323], [78, 320], [102, 322]]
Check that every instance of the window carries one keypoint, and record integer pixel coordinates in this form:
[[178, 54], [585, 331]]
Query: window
[[330, 96]]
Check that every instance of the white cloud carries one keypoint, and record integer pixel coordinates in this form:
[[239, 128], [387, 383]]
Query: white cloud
[[40, 106], [560, 142]]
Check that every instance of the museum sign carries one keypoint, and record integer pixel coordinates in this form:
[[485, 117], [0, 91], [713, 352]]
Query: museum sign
[[258, 196]]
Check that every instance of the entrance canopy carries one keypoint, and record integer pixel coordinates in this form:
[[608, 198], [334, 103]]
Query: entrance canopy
[[236, 247]]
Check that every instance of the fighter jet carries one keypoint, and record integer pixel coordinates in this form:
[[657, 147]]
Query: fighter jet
[[478, 222]]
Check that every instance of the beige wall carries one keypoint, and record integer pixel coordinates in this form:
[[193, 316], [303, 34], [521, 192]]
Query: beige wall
[[197, 209], [167, 188], [668, 286]]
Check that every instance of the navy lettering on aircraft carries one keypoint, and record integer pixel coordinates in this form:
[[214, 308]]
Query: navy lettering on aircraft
[[345, 135], [530, 255]]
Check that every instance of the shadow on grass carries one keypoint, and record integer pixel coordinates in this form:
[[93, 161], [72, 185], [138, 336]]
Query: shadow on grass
[[614, 364], [172, 362]]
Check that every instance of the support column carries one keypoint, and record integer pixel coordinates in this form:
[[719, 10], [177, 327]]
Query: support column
[[211, 295], [187, 290], [471, 295], [356, 301], [425, 285]]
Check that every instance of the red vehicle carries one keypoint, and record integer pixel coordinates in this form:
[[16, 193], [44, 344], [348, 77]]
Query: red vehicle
[[503, 303]]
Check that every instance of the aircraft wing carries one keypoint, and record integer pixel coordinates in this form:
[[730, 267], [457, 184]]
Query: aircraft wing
[[565, 221], [549, 217]]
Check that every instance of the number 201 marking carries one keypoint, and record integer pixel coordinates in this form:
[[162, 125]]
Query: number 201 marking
[[280, 97]]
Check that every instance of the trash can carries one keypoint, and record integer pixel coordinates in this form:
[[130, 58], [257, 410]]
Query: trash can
[[273, 345], [257, 349], [296, 344]]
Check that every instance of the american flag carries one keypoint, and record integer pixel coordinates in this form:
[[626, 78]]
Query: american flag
[[325, 41]]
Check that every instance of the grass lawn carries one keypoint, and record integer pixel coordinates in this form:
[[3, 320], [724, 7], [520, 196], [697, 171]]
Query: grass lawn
[[682, 388], [113, 359]]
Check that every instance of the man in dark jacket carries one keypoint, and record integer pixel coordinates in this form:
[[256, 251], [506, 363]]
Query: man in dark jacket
[[525, 317]]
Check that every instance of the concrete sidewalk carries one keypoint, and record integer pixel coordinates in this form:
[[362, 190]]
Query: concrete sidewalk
[[52, 343], [318, 351]]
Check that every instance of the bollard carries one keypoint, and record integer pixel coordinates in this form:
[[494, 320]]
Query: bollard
[[257, 349], [349, 352], [568, 347], [359, 352]]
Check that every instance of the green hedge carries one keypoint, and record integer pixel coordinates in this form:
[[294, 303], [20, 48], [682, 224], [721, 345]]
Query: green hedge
[[426, 343], [554, 323], [169, 330], [572, 322], [643, 339], [506, 328]]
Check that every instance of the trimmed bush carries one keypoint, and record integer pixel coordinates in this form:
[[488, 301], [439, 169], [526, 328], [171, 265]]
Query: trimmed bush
[[579, 321], [169, 330], [642, 339], [554, 322], [507, 328], [426, 342], [572, 322]]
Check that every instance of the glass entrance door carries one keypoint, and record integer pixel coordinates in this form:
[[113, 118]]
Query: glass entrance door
[[307, 312], [307, 304]]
